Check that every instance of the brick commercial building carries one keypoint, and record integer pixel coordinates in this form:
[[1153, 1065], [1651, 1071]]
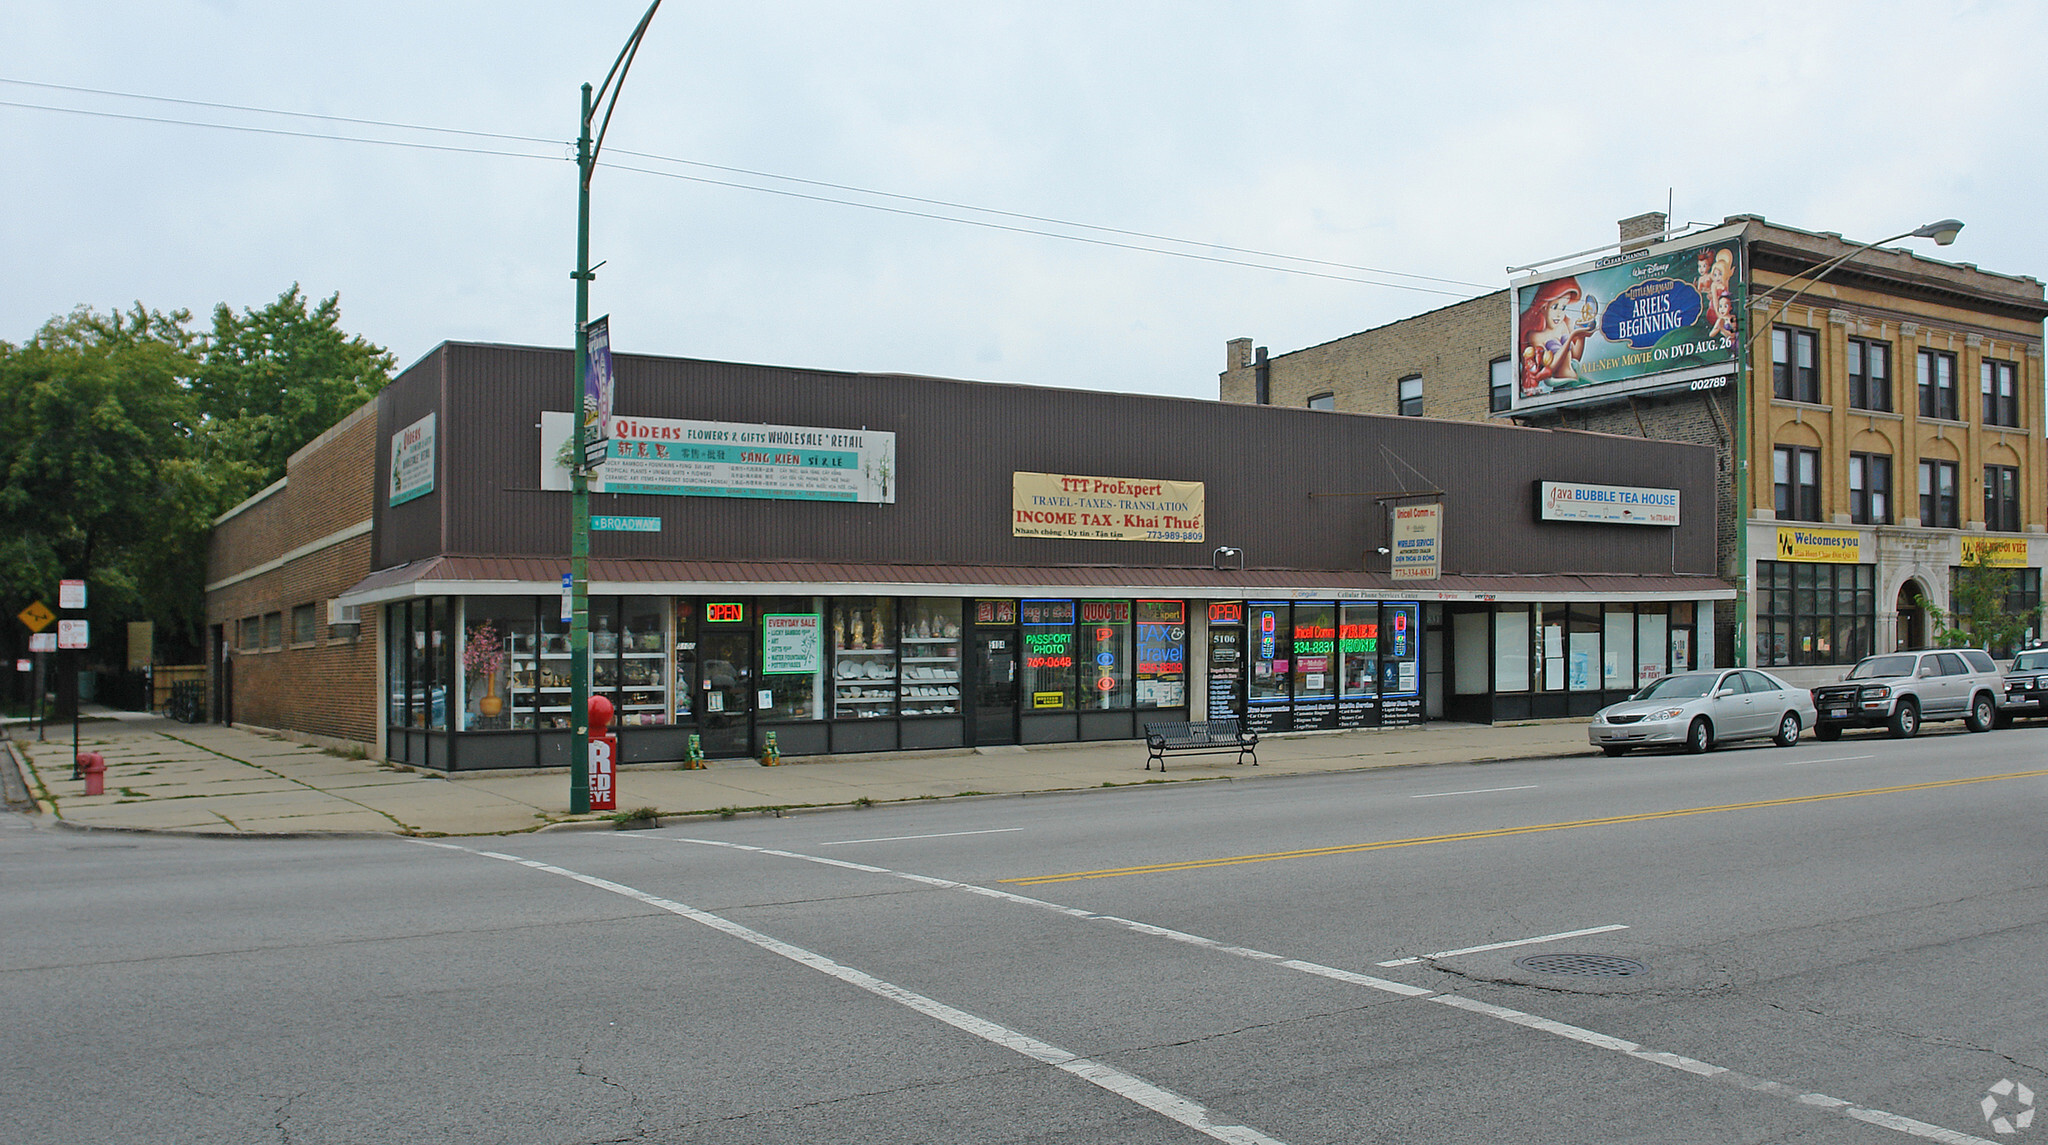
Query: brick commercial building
[[1876, 415], [873, 562]]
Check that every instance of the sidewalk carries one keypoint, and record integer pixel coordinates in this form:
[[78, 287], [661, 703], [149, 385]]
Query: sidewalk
[[210, 780]]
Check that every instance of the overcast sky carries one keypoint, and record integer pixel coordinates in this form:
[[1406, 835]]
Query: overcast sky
[[1440, 140]]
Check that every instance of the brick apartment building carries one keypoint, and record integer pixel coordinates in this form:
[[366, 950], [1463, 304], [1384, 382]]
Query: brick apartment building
[[1876, 414]]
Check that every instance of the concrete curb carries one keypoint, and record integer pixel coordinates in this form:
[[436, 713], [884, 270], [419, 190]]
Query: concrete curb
[[13, 787]]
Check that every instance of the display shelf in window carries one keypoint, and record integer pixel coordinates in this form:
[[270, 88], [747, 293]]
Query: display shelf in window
[[931, 675], [865, 687]]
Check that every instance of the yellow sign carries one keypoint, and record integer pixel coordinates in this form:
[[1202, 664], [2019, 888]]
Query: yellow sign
[[1820, 546], [1996, 552], [1048, 699], [1105, 508], [37, 616]]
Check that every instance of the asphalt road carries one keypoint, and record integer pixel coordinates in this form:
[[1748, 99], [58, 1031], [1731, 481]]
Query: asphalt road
[[1833, 943]]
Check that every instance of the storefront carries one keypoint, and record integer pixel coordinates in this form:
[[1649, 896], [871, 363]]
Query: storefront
[[862, 563]]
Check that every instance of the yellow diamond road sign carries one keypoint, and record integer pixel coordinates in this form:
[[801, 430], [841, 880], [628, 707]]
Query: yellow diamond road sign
[[37, 616]]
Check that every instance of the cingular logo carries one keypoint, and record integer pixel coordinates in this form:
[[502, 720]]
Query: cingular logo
[[2009, 1107]]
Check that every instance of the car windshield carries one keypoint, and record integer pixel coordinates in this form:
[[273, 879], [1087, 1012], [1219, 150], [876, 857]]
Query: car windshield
[[2031, 661], [1878, 666], [1677, 688]]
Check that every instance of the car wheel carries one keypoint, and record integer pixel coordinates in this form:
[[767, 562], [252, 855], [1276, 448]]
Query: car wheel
[[1827, 733], [1788, 730], [1905, 720], [1700, 736], [1983, 713], [1610, 749]]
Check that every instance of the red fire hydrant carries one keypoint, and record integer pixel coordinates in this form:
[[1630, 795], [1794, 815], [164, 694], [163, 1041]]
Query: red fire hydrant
[[93, 766]]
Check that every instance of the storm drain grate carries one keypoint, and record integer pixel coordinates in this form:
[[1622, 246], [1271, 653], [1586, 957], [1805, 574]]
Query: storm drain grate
[[1584, 965]]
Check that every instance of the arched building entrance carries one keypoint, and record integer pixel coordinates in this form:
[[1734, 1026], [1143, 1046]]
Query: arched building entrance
[[1912, 625]]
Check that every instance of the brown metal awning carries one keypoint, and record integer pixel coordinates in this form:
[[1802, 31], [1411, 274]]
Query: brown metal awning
[[536, 576]]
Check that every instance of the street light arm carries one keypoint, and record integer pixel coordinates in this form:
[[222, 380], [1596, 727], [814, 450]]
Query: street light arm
[[620, 67]]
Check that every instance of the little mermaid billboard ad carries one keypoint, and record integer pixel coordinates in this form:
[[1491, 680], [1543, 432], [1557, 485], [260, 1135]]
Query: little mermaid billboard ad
[[1656, 317]]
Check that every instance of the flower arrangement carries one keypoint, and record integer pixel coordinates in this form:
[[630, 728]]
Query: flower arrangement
[[483, 653]]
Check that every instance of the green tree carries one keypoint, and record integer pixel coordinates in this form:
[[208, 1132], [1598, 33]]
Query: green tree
[[1980, 617], [100, 477], [271, 380]]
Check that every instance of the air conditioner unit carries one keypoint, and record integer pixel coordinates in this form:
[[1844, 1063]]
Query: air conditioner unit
[[339, 613]]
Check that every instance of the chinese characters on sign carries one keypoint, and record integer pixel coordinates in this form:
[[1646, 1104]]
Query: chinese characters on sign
[[1105, 508], [731, 459]]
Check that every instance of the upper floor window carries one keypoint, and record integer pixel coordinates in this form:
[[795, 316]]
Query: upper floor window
[[1500, 377], [1870, 488], [1795, 480], [1938, 494], [1999, 383], [2002, 498], [1795, 364], [1411, 396], [1938, 385], [1325, 400], [1870, 375]]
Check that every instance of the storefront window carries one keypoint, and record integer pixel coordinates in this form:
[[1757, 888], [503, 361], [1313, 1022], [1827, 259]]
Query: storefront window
[[494, 629], [643, 662], [864, 657], [1585, 647], [604, 648], [1511, 649], [1162, 653], [1618, 663], [683, 683], [1401, 651], [1104, 654], [1810, 613], [550, 697], [1358, 648], [1272, 652], [1315, 651], [1551, 639], [931, 657], [397, 649], [1049, 652], [792, 658], [1651, 645]]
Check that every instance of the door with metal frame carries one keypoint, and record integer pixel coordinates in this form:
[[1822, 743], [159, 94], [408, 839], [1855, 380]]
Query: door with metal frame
[[725, 691], [993, 670]]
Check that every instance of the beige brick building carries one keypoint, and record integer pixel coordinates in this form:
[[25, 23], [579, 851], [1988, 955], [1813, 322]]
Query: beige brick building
[[1880, 418]]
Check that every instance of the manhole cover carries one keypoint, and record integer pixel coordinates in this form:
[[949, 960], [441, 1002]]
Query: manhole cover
[[1584, 965]]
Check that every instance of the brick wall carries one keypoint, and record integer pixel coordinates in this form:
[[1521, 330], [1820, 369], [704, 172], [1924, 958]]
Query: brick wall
[[301, 543], [1451, 348]]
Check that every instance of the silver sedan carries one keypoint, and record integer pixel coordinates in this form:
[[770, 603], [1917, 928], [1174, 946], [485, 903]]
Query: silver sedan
[[1696, 710]]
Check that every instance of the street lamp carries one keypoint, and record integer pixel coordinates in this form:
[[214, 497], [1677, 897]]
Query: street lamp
[[1943, 233], [579, 474]]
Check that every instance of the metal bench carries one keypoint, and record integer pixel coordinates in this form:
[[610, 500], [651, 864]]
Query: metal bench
[[1207, 737]]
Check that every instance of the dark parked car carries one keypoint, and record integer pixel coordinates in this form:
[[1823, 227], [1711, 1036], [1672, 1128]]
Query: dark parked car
[[1902, 690], [2026, 686]]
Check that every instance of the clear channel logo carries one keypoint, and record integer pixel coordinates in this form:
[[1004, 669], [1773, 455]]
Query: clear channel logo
[[2009, 1107]]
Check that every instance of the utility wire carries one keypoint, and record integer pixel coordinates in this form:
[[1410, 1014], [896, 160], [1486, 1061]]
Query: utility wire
[[741, 186]]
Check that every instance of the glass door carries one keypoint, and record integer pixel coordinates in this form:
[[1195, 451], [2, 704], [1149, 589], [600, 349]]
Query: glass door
[[725, 663], [993, 668]]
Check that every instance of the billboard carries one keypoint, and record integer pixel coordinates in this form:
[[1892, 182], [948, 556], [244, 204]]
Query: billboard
[[728, 459], [1667, 314], [1106, 508]]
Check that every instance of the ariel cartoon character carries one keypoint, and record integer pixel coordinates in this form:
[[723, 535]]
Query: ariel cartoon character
[[1552, 334]]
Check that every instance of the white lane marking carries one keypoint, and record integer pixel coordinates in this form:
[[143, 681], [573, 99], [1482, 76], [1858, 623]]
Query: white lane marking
[[1478, 791], [903, 838], [1505, 945], [1130, 1087], [1830, 759], [1580, 1034]]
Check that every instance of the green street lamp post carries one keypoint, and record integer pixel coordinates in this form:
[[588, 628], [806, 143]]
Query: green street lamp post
[[1943, 233], [587, 150]]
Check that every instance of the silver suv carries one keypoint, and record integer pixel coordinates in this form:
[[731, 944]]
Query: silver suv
[[1901, 690]]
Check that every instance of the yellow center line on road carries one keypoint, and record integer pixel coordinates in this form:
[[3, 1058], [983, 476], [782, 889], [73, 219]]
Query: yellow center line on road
[[1501, 832]]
